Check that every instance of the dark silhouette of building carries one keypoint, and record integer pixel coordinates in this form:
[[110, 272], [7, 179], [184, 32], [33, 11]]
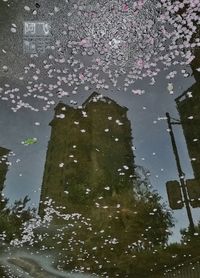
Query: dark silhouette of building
[[3, 166], [188, 105], [89, 153], [90, 170]]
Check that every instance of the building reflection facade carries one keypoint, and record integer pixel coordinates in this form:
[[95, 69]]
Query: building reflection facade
[[90, 170], [3, 166], [89, 153], [188, 105]]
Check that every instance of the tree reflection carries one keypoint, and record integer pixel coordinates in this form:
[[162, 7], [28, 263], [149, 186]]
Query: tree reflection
[[114, 239], [12, 218]]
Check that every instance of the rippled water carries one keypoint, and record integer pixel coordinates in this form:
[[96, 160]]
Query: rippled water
[[95, 181]]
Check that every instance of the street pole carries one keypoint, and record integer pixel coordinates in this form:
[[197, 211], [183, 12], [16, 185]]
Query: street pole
[[181, 174]]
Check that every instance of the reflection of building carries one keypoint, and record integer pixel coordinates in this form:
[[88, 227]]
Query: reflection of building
[[89, 153], [90, 170], [188, 105], [189, 108], [3, 166]]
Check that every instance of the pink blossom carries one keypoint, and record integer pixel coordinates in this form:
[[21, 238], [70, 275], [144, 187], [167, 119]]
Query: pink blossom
[[125, 8]]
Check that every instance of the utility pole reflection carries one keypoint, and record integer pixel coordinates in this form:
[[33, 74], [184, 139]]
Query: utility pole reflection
[[180, 172]]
